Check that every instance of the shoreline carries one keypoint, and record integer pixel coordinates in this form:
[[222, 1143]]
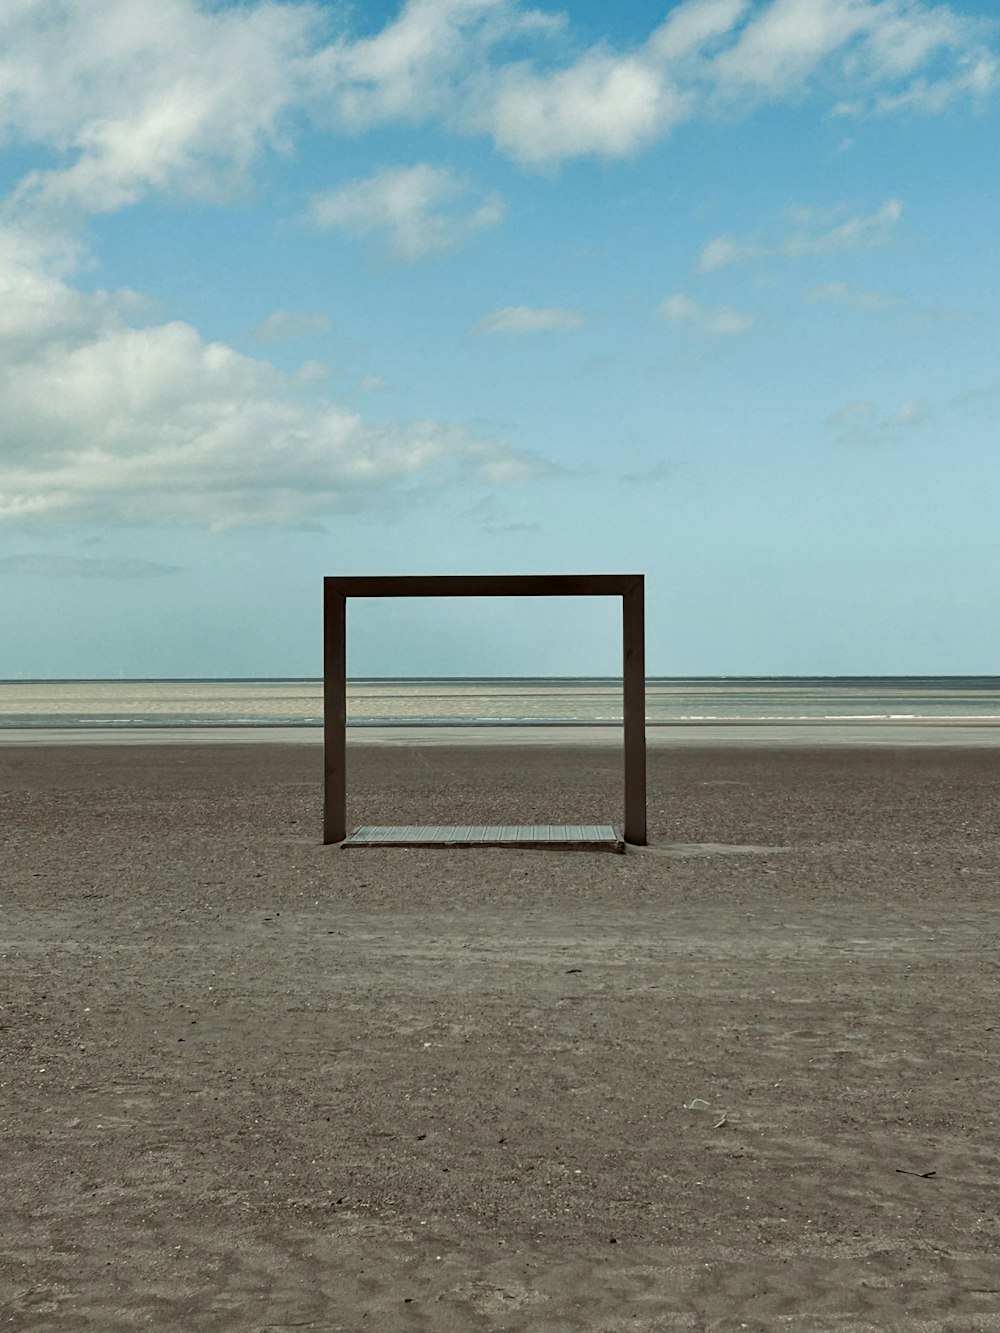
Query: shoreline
[[770, 733]]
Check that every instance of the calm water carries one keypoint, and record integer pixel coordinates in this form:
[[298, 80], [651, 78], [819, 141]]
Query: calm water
[[215, 703]]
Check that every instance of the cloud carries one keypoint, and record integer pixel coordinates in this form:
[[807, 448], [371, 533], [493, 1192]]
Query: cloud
[[719, 321], [809, 233], [655, 475], [881, 49], [120, 424], [730, 56], [860, 232], [147, 95], [784, 42], [722, 251], [976, 77], [840, 293], [139, 97], [913, 413], [604, 105], [489, 515], [83, 567], [515, 320], [862, 423], [426, 63], [286, 325], [420, 209]]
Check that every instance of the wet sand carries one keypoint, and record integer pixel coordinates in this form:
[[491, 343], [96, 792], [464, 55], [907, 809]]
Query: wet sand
[[744, 1078], [952, 732]]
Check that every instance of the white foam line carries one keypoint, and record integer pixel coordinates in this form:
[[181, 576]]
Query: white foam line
[[923, 732]]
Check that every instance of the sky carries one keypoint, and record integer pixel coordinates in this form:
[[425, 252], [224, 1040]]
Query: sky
[[706, 291]]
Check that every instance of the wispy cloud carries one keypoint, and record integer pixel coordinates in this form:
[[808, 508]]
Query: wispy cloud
[[491, 516], [807, 233], [658, 474], [974, 77], [420, 210], [841, 293], [717, 320], [885, 53], [863, 423], [287, 325], [515, 320], [83, 567]]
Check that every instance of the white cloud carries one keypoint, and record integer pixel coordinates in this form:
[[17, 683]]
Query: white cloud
[[118, 424], [604, 105], [425, 63], [287, 325], [811, 234], [691, 27], [860, 232], [421, 209], [877, 49], [147, 95], [722, 251], [712, 55], [862, 423], [841, 293], [515, 320], [719, 321], [182, 96], [312, 372], [784, 42], [975, 77]]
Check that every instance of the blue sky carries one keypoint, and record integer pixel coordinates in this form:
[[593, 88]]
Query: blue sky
[[707, 291]]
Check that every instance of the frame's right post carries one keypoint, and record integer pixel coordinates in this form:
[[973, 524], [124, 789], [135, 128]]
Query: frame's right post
[[634, 683], [334, 714]]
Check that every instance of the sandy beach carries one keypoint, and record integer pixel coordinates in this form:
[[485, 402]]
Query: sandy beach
[[745, 1078]]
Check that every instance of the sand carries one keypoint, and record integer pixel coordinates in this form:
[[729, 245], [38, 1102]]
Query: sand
[[746, 1078]]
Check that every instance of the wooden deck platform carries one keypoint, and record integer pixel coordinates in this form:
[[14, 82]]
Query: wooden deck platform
[[594, 837]]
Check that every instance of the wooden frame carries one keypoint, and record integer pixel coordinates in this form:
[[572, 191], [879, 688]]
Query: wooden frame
[[630, 587]]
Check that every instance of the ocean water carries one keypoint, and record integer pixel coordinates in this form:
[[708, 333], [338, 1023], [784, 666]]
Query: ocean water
[[490, 702]]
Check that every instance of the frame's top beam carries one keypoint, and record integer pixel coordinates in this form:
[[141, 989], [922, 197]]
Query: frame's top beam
[[484, 585]]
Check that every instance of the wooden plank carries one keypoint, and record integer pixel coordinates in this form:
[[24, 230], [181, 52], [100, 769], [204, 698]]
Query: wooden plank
[[482, 835], [483, 585]]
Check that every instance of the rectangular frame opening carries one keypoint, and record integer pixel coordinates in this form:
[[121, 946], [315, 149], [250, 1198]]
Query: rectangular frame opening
[[336, 591]]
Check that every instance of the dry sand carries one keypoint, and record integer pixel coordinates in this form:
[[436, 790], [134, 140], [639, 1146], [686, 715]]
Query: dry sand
[[744, 1079]]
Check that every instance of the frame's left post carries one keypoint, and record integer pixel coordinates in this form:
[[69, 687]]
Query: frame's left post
[[334, 713]]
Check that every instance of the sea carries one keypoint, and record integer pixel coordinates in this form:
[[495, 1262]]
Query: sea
[[576, 701]]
